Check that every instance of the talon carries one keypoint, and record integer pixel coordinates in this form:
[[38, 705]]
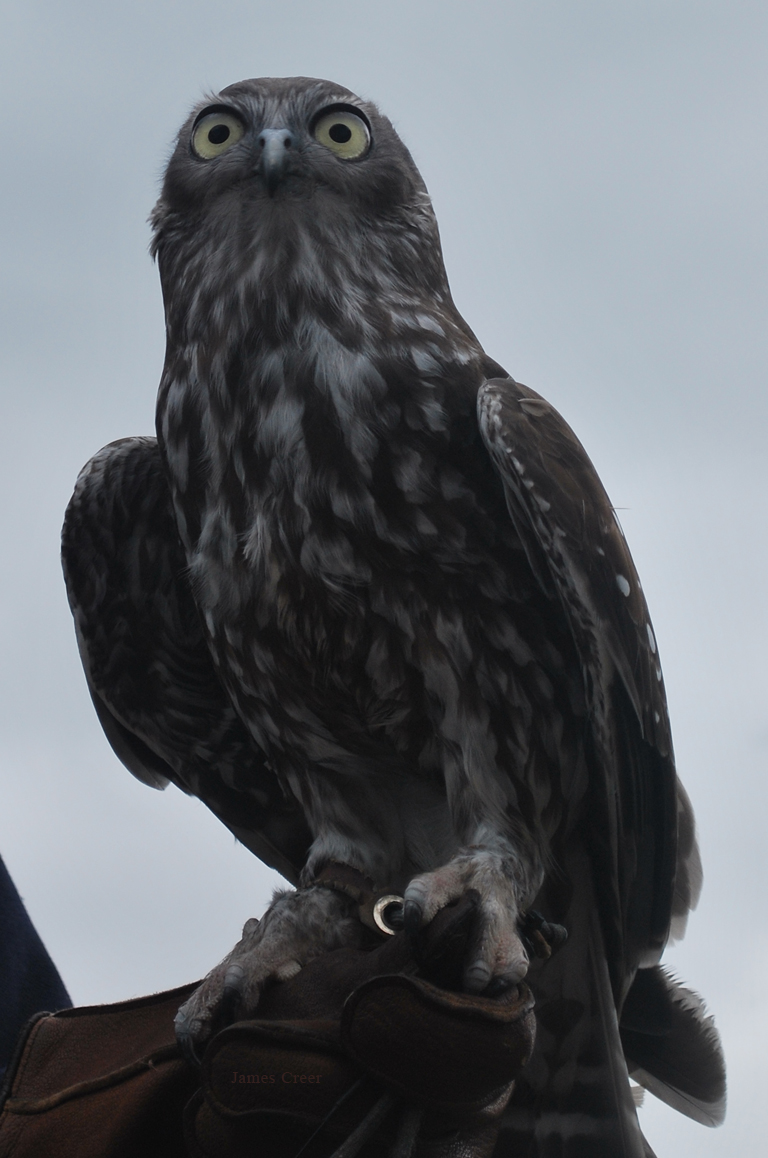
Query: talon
[[231, 994], [297, 927], [185, 1031], [513, 974], [541, 938], [476, 977], [233, 979], [412, 915], [494, 951]]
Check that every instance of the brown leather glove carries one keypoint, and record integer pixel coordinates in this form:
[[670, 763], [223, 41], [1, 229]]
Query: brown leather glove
[[361, 1048], [378, 1040]]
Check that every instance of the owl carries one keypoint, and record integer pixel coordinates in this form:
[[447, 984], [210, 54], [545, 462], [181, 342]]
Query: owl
[[366, 597]]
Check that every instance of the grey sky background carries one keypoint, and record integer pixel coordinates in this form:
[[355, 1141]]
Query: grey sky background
[[599, 174]]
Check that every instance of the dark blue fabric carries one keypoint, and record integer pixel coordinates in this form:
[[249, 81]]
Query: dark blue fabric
[[28, 978]]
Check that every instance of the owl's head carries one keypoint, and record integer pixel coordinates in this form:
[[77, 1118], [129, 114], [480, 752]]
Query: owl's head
[[294, 182]]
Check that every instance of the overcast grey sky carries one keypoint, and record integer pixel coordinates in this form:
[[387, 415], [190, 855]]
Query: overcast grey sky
[[598, 168]]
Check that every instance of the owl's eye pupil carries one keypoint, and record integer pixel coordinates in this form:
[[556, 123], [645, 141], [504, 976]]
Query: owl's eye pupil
[[340, 134], [219, 134]]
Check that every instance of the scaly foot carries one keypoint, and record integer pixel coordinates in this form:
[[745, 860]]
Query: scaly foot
[[297, 927], [496, 958]]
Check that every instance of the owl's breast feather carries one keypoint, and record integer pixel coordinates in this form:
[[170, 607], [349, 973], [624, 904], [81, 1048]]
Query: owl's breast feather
[[316, 467]]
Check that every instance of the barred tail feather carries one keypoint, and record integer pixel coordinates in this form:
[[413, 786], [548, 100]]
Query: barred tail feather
[[672, 1047], [574, 1099]]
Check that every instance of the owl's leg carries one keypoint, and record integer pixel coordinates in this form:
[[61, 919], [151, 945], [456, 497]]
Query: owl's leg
[[302, 925], [297, 927], [504, 886]]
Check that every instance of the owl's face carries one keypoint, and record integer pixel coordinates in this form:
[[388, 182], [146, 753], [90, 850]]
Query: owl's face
[[289, 139], [294, 191]]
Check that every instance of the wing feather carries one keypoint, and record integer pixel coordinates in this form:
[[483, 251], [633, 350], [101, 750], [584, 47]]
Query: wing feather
[[577, 550], [148, 667]]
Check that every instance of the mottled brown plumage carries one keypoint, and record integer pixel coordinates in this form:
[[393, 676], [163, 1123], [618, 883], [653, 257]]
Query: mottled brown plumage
[[367, 598]]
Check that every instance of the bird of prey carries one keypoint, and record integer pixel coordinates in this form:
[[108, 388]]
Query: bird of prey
[[366, 597]]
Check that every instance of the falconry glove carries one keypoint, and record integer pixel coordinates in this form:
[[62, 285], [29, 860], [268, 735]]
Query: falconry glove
[[360, 1049]]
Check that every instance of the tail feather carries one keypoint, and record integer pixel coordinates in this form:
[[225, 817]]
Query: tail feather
[[672, 1047], [574, 1097]]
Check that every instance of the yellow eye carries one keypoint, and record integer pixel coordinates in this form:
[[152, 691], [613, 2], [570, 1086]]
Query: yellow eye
[[216, 133], [343, 133]]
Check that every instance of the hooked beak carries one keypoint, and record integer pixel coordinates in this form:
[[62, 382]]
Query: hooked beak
[[275, 146]]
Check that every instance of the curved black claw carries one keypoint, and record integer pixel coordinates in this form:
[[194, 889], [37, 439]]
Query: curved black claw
[[187, 1030], [231, 999], [412, 914], [541, 938]]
